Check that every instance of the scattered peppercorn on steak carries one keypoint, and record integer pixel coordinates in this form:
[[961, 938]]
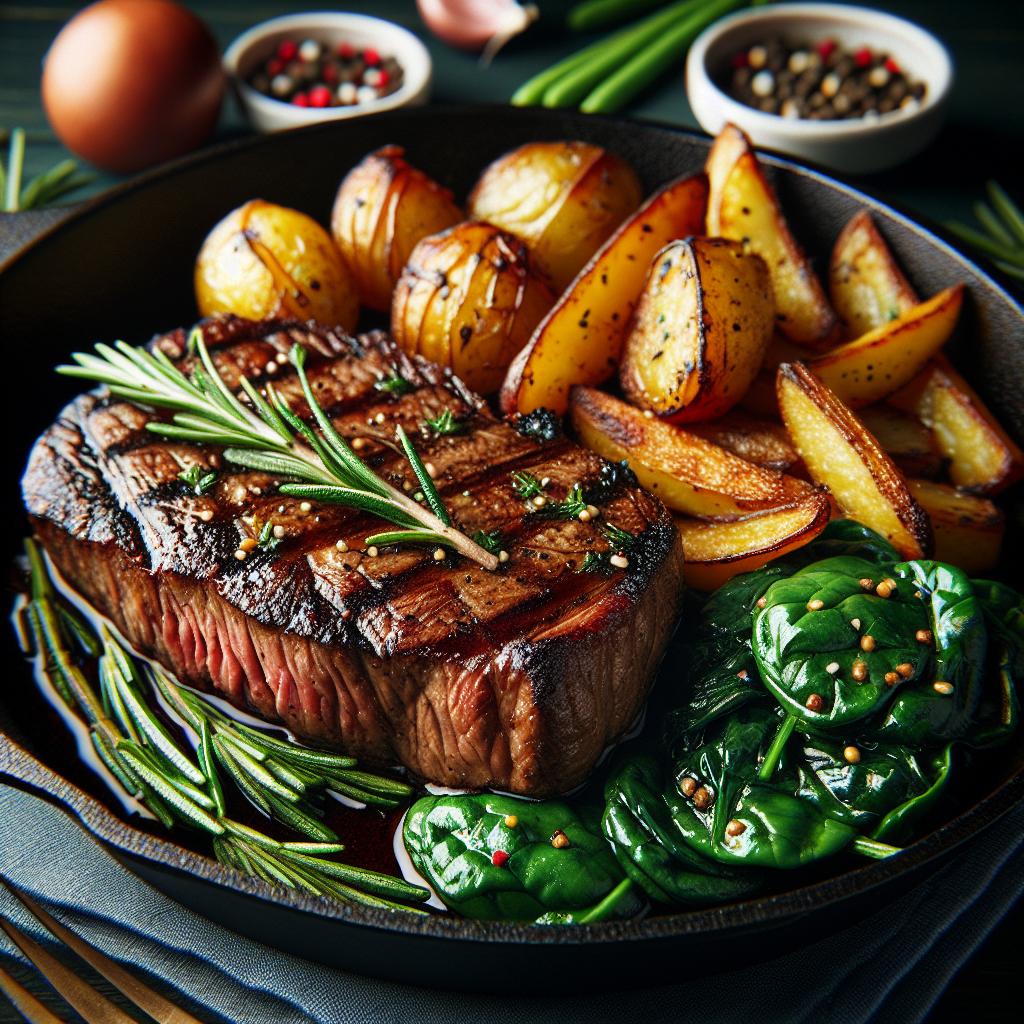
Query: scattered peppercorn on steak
[[516, 679]]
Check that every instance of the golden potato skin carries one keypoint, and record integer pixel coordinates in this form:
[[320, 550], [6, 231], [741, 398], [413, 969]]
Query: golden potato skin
[[700, 330], [562, 198], [264, 260], [384, 206], [469, 299]]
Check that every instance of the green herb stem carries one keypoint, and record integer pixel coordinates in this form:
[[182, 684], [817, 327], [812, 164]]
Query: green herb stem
[[873, 848], [778, 745], [15, 167], [601, 910]]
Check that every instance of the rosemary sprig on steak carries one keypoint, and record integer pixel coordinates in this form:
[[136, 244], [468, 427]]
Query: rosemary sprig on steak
[[180, 786], [266, 435]]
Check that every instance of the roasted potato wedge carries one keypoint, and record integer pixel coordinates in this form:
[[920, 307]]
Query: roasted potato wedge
[[982, 456], [968, 530], [264, 260], [880, 362], [905, 438], [469, 299], [715, 552], [762, 442], [841, 454], [562, 198], [580, 340], [384, 206], [689, 474], [743, 206], [700, 330], [866, 285]]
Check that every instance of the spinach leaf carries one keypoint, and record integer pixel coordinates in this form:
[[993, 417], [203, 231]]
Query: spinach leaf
[[495, 857], [640, 825], [830, 649], [734, 817]]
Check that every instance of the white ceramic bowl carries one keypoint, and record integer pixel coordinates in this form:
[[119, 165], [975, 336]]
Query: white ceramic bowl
[[855, 146], [269, 115]]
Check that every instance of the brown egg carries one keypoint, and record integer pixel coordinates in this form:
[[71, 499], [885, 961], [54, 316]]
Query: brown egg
[[128, 83]]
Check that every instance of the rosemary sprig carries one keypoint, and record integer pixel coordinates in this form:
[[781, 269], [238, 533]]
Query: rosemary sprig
[[268, 436], [1002, 234], [182, 785]]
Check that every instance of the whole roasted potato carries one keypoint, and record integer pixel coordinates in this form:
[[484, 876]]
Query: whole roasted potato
[[700, 330], [469, 299], [264, 260], [562, 198], [383, 208]]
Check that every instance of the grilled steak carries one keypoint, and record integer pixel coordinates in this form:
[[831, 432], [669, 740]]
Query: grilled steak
[[516, 679]]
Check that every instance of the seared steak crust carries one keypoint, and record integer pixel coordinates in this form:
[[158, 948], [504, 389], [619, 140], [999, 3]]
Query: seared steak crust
[[516, 679]]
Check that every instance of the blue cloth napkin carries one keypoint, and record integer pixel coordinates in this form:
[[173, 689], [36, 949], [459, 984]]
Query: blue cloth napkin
[[890, 967]]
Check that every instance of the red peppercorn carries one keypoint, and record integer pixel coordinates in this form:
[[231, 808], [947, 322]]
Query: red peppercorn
[[371, 56], [862, 57], [274, 66], [892, 67], [499, 858], [346, 51], [287, 49], [382, 78], [825, 48], [300, 99], [319, 96], [329, 73], [740, 60]]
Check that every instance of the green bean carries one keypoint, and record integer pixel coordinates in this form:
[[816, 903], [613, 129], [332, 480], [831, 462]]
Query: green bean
[[593, 15], [624, 45], [653, 61], [530, 92]]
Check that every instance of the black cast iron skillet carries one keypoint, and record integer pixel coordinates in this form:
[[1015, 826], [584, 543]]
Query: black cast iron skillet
[[121, 267]]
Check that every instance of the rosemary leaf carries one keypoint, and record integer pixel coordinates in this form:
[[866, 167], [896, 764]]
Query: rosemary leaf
[[424, 478], [208, 763], [379, 783], [406, 537], [314, 848], [351, 498], [177, 801], [299, 820], [367, 880], [154, 732], [363, 796], [290, 752]]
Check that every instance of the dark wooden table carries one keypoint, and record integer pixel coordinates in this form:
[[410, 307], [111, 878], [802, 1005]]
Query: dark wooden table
[[981, 140]]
